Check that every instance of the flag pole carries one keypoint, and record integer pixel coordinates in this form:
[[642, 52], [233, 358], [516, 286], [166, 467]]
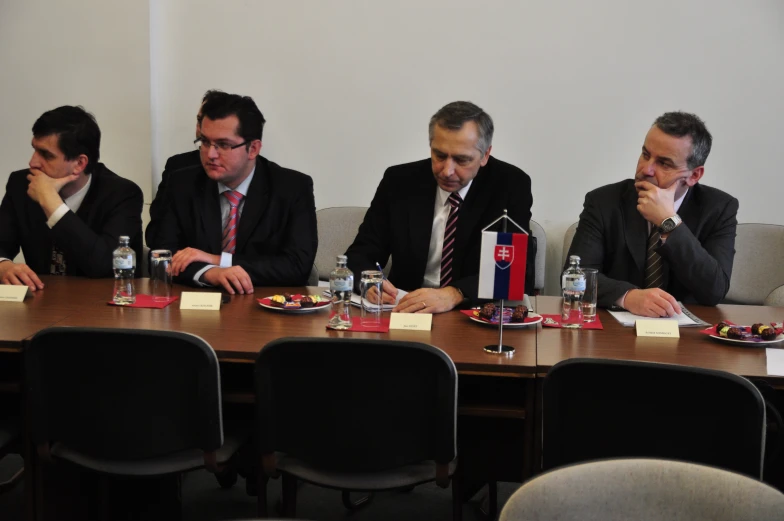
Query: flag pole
[[501, 349]]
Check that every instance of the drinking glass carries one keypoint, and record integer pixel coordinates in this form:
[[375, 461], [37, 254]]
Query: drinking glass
[[372, 300], [589, 297], [160, 275]]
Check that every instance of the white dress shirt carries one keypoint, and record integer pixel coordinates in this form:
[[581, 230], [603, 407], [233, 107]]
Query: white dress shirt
[[226, 258], [432, 277]]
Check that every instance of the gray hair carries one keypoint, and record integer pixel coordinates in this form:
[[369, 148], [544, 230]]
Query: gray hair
[[454, 115], [680, 124]]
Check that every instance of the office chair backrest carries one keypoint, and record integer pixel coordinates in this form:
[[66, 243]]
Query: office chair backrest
[[643, 490], [337, 228], [568, 238], [356, 405], [123, 394], [594, 409], [757, 269]]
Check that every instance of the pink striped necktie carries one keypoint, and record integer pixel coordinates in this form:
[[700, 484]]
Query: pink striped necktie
[[450, 232], [230, 230]]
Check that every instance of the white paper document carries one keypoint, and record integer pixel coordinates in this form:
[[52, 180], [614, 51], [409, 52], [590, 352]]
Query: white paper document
[[685, 319], [386, 307], [775, 361]]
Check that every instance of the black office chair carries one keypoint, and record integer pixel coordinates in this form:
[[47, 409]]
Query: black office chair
[[595, 409], [9, 443], [127, 402], [355, 415]]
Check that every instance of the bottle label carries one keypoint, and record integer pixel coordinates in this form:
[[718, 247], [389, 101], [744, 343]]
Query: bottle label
[[341, 285], [574, 284], [123, 263]]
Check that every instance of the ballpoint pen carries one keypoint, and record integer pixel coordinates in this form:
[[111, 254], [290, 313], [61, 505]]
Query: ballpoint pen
[[382, 271]]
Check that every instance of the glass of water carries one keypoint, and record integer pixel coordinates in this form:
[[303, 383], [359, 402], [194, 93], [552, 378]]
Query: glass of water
[[372, 300], [160, 275], [589, 297]]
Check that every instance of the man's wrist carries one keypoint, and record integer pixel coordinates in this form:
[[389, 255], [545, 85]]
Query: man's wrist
[[459, 298]]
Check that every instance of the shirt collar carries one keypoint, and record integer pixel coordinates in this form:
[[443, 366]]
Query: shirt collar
[[443, 195], [679, 201], [75, 200], [242, 188]]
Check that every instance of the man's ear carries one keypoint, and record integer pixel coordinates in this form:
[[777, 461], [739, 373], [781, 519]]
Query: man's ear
[[254, 149], [485, 158], [80, 164], [695, 176]]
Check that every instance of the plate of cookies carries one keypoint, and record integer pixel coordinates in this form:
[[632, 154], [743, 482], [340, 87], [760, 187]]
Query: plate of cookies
[[755, 335], [489, 314], [289, 303]]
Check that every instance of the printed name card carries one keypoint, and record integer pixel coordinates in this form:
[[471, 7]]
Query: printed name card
[[200, 301], [658, 328], [411, 321], [13, 293]]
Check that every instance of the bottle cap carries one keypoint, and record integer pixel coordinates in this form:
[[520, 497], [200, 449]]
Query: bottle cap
[[342, 258], [574, 258]]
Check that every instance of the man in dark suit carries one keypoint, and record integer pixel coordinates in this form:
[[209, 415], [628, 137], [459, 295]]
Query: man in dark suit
[[174, 163], [661, 237], [68, 211], [237, 220], [428, 215]]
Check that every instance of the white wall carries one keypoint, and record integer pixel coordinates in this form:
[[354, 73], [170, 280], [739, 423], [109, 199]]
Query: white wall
[[347, 86]]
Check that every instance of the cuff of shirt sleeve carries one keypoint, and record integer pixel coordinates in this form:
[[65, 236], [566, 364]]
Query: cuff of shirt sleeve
[[57, 215], [621, 301], [225, 260], [197, 277]]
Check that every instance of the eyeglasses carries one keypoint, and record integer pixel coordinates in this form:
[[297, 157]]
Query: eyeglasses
[[222, 147]]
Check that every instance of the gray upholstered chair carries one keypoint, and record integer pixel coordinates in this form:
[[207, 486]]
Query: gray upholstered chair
[[337, 228], [758, 268], [541, 254], [643, 490], [776, 297], [568, 237]]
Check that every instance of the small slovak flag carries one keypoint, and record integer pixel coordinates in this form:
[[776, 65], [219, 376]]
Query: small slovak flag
[[502, 265]]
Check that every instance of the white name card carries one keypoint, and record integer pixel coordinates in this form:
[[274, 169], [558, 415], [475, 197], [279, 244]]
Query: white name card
[[200, 301], [10, 293], [658, 328], [411, 321]]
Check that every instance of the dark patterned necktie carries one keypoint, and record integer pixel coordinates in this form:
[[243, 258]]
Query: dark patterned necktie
[[450, 231], [229, 243], [57, 265], [653, 262]]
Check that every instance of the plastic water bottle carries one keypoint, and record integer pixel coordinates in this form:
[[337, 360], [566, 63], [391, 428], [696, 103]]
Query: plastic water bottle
[[341, 284], [573, 284], [124, 262]]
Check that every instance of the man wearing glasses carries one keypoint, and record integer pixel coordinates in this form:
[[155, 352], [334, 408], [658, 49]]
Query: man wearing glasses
[[661, 237], [237, 220]]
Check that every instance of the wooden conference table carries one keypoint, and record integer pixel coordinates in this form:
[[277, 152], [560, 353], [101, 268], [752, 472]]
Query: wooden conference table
[[496, 393]]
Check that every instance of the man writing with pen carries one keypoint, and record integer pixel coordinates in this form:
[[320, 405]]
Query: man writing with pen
[[661, 237], [428, 215]]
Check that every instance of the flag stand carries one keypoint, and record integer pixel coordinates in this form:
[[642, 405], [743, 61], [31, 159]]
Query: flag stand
[[502, 349]]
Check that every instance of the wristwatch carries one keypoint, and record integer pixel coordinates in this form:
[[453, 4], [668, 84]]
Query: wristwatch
[[669, 224]]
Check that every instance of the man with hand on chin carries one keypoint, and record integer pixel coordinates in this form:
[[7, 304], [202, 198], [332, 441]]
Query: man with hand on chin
[[68, 211], [662, 237], [237, 220]]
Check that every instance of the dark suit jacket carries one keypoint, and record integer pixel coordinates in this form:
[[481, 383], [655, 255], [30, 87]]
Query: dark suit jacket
[[399, 222], [276, 236], [697, 255], [161, 200], [111, 208]]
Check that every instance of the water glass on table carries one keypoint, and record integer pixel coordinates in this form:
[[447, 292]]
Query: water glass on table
[[589, 297], [372, 298], [160, 275]]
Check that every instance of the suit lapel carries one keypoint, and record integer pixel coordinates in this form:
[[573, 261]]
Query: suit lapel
[[420, 216], [256, 204], [636, 229], [208, 207]]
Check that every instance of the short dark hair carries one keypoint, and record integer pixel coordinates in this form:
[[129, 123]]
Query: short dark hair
[[76, 130], [244, 108], [454, 115], [209, 95], [680, 124]]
